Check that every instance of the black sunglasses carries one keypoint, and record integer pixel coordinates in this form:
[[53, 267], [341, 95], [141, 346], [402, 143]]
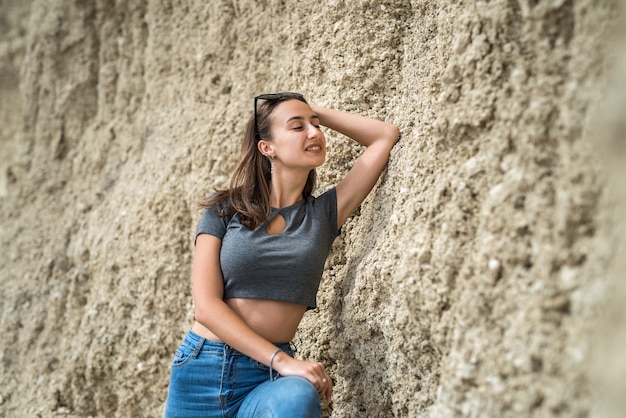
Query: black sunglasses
[[272, 97]]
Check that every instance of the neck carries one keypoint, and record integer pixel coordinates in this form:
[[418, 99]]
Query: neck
[[286, 188]]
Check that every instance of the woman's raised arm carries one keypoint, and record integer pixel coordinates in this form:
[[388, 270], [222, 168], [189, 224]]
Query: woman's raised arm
[[378, 137]]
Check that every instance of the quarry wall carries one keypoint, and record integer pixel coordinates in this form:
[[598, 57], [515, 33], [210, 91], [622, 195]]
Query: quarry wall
[[477, 278]]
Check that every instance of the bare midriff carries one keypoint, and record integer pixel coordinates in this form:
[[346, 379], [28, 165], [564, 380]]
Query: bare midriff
[[273, 320]]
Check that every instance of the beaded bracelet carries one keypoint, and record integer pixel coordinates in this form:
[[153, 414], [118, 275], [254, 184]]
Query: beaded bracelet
[[278, 350]]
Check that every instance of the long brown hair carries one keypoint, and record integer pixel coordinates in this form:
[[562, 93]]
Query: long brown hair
[[249, 191]]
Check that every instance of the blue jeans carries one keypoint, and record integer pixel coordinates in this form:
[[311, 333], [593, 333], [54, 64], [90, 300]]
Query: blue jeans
[[212, 379]]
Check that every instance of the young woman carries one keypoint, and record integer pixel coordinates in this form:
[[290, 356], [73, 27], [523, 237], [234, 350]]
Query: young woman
[[260, 251]]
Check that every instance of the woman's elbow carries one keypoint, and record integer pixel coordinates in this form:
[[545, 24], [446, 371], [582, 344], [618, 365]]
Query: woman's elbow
[[203, 312], [392, 134]]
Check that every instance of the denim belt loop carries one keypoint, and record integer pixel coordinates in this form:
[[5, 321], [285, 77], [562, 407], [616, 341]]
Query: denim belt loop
[[293, 346], [198, 347]]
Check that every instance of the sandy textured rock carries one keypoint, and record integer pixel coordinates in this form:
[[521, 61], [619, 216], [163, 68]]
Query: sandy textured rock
[[481, 278]]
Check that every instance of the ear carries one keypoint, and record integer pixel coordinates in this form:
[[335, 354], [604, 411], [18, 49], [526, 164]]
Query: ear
[[265, 147]]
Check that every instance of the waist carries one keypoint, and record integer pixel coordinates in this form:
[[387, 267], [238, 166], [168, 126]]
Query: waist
[[201, 343], [275, 321], [203, 332]]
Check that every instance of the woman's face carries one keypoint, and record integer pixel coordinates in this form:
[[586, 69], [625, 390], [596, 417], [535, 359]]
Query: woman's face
[[297, 141]]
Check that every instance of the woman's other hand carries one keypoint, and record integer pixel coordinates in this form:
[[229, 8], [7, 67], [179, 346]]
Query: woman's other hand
[[314, 372]]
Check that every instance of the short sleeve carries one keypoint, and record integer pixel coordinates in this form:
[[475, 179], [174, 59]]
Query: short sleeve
[[328, 201], [212, 223]]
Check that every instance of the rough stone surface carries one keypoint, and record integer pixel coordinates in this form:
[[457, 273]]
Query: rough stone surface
[[479, 278]]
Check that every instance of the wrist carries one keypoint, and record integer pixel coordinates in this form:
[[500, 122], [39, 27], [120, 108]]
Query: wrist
[[279, 360]]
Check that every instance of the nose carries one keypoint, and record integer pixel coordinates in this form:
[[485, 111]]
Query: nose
[[313, 132]]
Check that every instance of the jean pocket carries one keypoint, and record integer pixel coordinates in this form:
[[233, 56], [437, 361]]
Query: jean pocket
[[182, 356]]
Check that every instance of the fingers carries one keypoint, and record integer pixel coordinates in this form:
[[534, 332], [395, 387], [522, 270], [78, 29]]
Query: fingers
[[327, 390], [323, 382]]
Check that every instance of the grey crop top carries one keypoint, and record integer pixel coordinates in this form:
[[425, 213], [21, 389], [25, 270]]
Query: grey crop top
[[287, 266]]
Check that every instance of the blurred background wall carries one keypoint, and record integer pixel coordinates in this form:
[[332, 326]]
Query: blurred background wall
[[481, 278]]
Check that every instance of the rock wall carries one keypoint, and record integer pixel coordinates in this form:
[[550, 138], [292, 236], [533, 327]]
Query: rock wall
[[473, 280]]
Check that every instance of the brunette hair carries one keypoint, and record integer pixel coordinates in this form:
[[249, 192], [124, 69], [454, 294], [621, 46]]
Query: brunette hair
[[249, 191]]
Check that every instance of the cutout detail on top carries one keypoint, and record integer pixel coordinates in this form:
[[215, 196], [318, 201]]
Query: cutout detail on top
[[276, 225]]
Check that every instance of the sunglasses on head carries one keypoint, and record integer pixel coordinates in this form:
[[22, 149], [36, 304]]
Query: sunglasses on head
[[272, 97]]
